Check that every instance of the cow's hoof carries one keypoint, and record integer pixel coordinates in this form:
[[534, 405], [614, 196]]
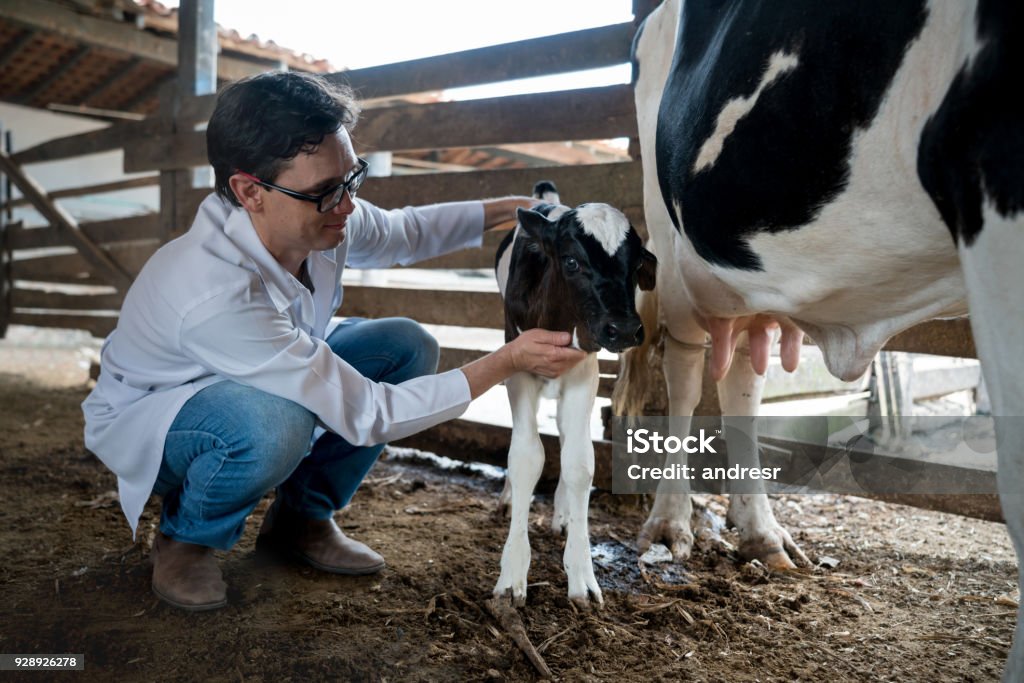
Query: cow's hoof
[[675, 534], [775, 549], [588, 602], [583, 589], [515, 596]]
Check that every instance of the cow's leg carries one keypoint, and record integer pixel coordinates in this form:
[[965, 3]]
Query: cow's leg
[[560, 515], [994, 282], [683, 364], [575, 404], [525, 462], [761, 536]]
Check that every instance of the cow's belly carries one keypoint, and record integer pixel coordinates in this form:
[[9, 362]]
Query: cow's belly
[[878, 258], [876, 261]]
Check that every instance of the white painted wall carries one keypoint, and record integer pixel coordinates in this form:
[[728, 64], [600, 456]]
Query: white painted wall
[[31, 126]]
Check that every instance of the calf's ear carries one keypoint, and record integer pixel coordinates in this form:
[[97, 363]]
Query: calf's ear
[[535, 224], [647, 275]]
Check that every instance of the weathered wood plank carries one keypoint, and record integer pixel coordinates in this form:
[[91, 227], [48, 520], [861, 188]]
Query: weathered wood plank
[[36, 298], [586, 114], [99, 188], [587, 49], [94, 255], [116, 136], [99, 325], [436, 307], [618, 184], [101, 232], [574, 51], [72, 268]]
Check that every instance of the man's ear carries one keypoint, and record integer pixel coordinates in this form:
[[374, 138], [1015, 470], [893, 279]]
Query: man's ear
[[535, 224], [247, 193], [647, 275]]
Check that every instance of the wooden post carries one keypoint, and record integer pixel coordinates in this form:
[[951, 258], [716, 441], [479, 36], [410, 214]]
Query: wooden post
[[5, 252], [197, 75]]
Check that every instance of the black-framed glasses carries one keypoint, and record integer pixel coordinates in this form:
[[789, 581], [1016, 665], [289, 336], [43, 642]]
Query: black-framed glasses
[[326, 200]]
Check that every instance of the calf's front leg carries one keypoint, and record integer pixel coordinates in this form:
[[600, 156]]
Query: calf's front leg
[[525, 463], [575, 405]]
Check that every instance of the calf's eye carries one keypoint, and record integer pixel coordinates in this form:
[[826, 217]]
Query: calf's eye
[[571, 264]]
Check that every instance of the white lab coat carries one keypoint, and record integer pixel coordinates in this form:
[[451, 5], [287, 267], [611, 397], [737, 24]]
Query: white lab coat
[[215, 305]]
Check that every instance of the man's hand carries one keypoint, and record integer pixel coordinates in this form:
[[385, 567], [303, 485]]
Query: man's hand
[[500, 213], [544, 353], [541, 352]]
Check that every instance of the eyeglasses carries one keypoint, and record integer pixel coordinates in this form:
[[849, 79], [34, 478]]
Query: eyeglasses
[[327, 200]]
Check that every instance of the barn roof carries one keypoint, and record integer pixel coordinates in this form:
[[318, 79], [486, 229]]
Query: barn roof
[[112, 54]]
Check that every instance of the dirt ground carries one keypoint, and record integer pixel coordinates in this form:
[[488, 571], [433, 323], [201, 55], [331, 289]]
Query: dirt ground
[[912, 596]]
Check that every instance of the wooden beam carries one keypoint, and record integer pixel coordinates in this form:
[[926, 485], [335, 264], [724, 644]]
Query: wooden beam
[[73, 269], [102, 232], [50, 16], [100, 188], [38, 298], [586, 114], [56, 73], [588, 49], [197, 48], [575, 51], [434, 307], [96, 257], [618, 184], [98, 325], [106, 115], [116, 136], [6, 281]]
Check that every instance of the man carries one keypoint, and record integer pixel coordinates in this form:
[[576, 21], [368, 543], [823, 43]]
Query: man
[[225, 358]]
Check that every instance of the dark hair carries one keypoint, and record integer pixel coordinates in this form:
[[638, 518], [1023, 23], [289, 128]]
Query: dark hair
[[262, 122]]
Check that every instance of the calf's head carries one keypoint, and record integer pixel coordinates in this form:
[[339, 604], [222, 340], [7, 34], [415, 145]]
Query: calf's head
[[594, 260]]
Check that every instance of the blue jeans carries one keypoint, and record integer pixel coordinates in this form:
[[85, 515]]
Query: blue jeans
[[230, 443]]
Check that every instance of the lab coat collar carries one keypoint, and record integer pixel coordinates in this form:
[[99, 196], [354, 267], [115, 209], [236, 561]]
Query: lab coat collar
[[282, 286]]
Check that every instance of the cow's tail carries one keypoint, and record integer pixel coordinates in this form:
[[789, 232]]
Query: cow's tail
[[640, 389]]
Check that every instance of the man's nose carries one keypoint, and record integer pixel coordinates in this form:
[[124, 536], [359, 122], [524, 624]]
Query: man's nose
[[346, 206]]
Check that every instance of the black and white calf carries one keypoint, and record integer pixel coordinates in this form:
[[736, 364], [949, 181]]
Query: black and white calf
[[848, 169], [571, 270]]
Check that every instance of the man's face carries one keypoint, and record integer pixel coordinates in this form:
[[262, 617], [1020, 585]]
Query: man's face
[[291, 228]]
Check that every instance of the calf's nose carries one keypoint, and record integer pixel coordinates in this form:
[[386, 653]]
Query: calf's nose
[[625, 331]]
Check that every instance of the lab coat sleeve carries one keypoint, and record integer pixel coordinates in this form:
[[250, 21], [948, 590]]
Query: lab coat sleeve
[[381, 239], [239, 335]]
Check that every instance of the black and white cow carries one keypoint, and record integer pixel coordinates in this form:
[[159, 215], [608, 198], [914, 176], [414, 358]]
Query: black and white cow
[[848, 169], [571, 270]]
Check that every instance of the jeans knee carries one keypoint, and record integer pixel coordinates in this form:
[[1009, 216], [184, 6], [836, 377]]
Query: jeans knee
[[285, 439], [417, 347]]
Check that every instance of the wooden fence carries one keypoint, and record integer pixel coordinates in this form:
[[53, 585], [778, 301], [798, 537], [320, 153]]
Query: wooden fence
[[109, 253]]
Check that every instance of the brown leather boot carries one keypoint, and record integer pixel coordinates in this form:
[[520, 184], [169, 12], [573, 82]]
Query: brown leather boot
[[316, 542], [186, 575]]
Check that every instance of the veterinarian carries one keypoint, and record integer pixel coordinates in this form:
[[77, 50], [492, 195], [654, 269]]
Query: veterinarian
[[227, 375]]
